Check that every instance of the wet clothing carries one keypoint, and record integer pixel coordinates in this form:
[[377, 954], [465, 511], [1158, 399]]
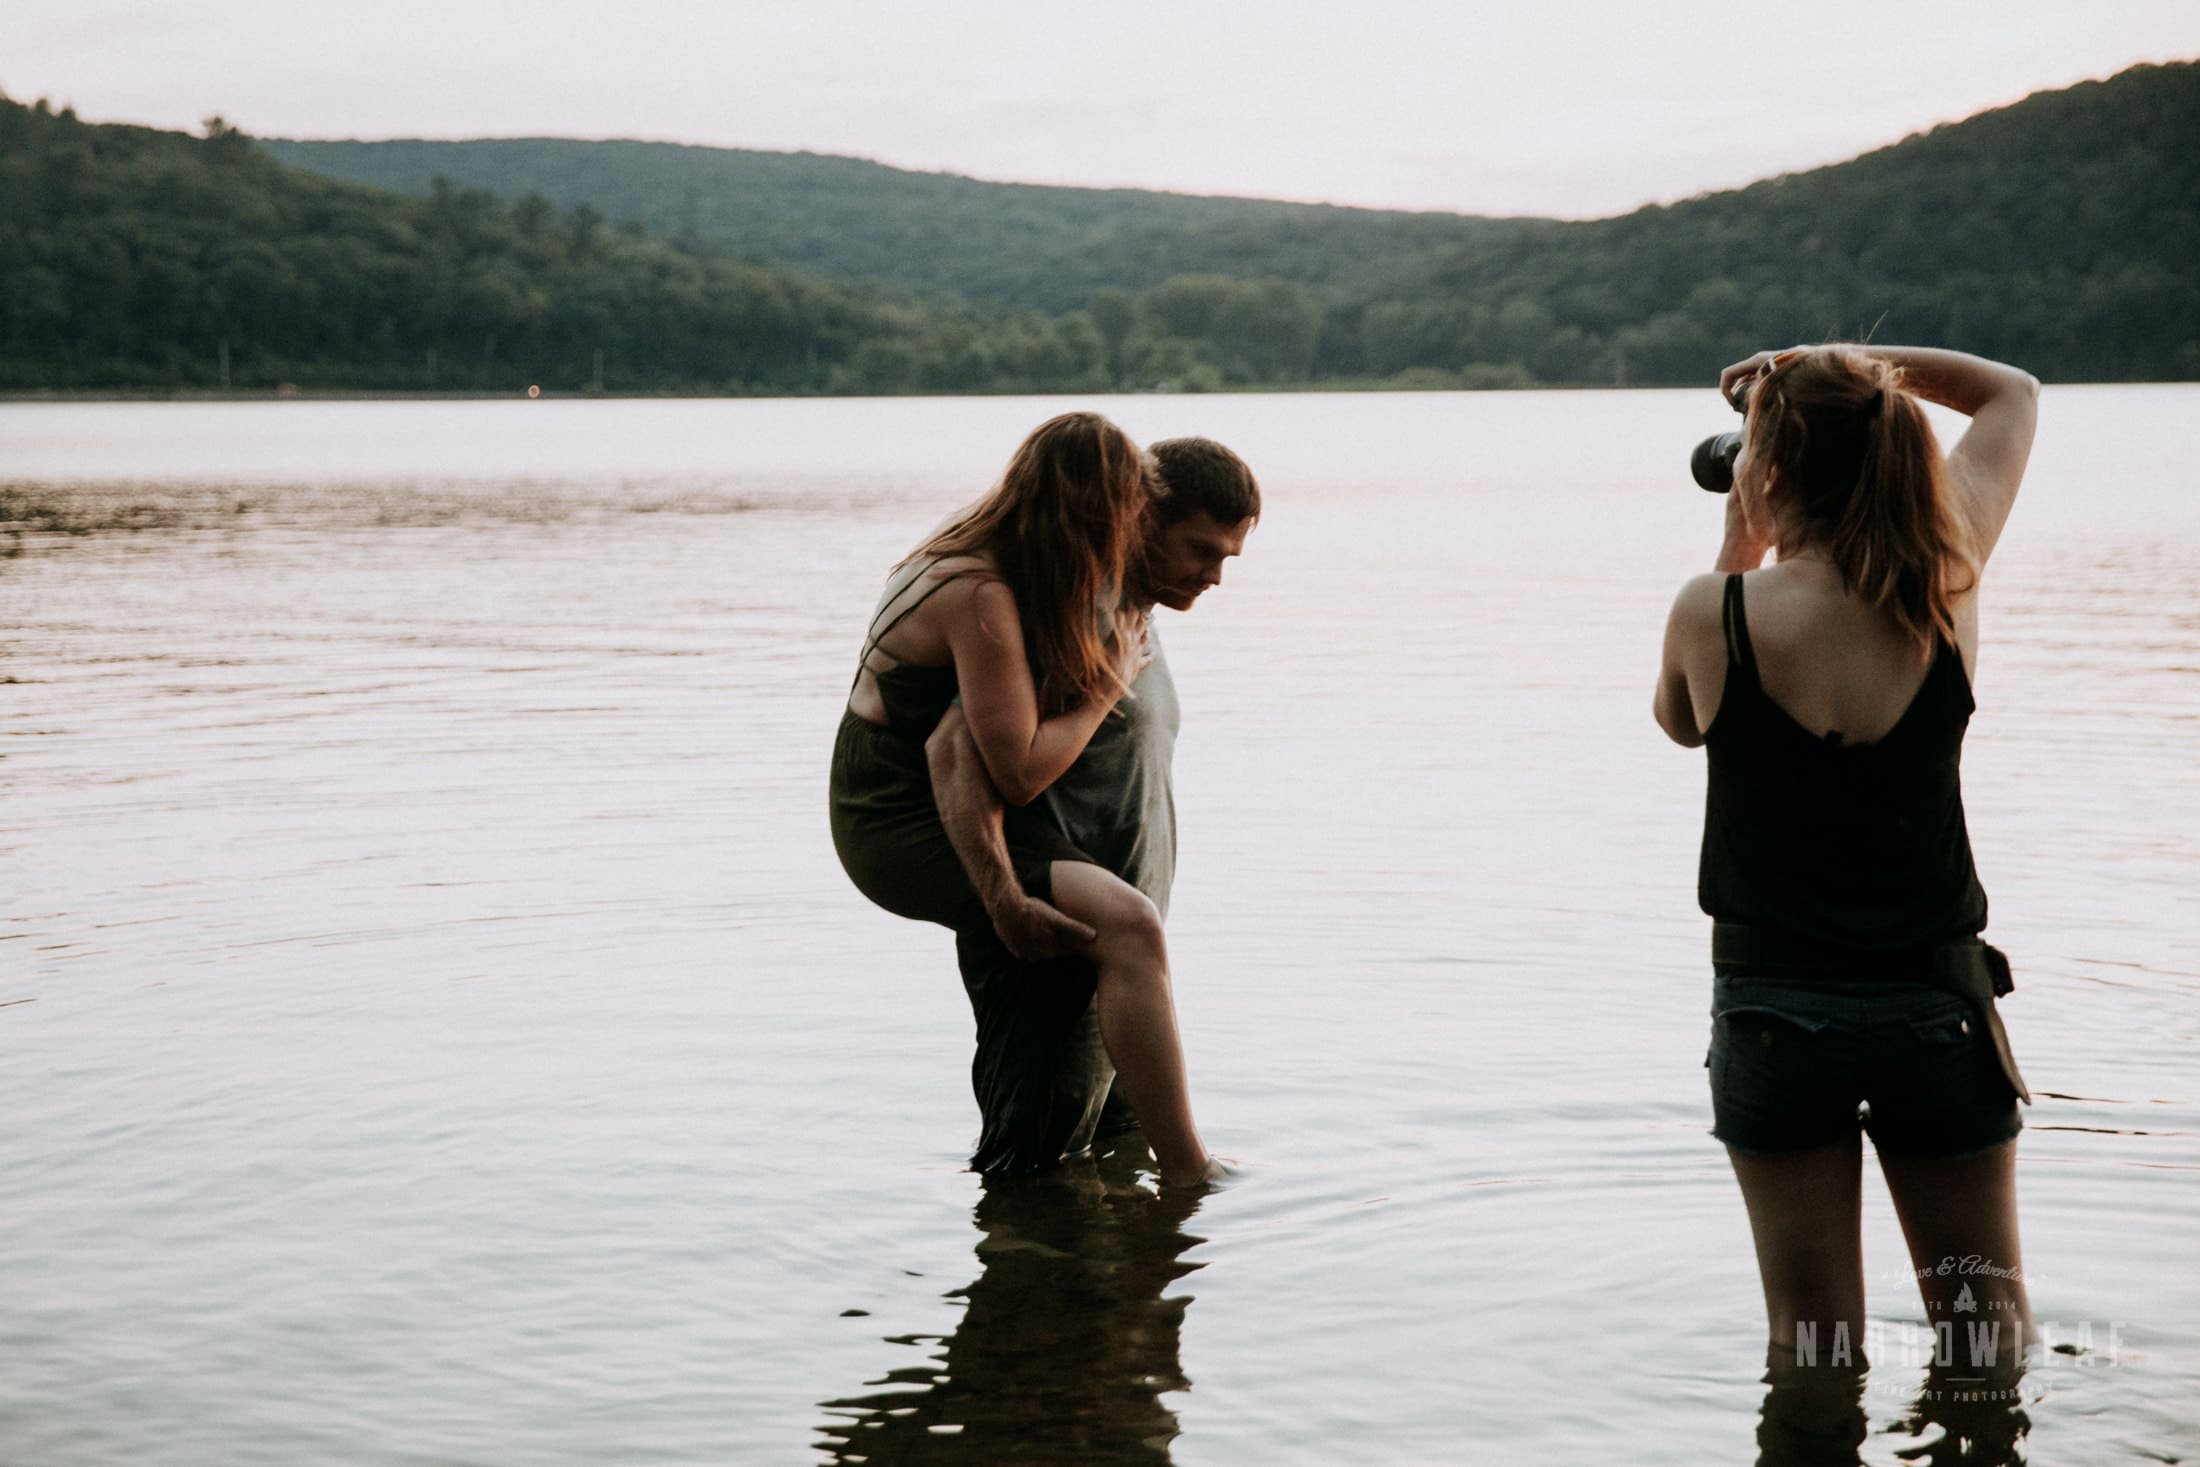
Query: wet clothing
[[894, 848], [1117, 803], [1040, 1073], [1842, 881], [886, 825], [1860, 847]]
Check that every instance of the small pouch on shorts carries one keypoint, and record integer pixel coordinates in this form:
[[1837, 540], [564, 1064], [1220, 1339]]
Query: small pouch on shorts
[[1979, 971]]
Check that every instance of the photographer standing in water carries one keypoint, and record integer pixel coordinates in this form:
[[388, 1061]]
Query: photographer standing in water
[[1831, 689]]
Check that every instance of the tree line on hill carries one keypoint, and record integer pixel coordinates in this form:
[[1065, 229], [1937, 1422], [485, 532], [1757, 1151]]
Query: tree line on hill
[[1048, 248], [141, 259], [138, 259], [2056, 233]]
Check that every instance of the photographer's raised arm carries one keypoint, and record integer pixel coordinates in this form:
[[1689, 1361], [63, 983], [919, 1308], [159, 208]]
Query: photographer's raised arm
[[1986, 466], [971, 810]]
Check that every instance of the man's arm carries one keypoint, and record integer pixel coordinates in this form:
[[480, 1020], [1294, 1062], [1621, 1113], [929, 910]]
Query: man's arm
[[971, 809]]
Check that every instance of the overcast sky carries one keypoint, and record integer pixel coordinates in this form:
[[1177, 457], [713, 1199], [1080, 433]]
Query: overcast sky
[[1575, 108]]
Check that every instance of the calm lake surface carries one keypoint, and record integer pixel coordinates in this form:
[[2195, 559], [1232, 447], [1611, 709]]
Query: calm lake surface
[[434, 1028]]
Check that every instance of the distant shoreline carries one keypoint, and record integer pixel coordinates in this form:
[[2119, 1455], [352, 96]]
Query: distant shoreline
[[214, 395], [339, 394]]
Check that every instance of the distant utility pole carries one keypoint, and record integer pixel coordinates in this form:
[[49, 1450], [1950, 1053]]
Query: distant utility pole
[[222, 351]]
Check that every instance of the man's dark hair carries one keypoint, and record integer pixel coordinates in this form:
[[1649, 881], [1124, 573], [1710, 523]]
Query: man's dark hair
[[1200, 476]]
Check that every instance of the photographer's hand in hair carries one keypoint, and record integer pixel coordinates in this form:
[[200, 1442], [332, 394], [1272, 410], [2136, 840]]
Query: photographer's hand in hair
[[1747, 368]]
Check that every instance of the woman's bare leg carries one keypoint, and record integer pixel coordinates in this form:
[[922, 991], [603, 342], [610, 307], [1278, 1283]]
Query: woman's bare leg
[[1959, 1217], [1805, 1211], [1137, 1012]]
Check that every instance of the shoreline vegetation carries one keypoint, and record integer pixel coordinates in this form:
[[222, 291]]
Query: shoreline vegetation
[[145, 265], [1429, 382], [216, 395]]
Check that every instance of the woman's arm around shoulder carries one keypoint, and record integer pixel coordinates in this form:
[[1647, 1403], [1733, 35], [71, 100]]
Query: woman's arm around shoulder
[[1023, 753]]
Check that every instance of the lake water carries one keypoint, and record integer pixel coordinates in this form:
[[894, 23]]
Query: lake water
[[436, 1029]]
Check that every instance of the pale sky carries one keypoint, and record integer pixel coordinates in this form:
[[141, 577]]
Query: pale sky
[[1575, 108]]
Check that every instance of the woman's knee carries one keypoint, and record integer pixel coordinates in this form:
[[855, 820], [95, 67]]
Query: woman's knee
[[1136, 928], [1128, 922]]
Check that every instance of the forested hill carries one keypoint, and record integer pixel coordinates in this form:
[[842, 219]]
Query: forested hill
[[2061, 232], [131, 258], [1021, 244], [2058, 233], [136, 258]]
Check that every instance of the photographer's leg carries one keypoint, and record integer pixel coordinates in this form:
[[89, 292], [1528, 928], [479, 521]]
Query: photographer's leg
[[1805, 1212], [1959, 1216]]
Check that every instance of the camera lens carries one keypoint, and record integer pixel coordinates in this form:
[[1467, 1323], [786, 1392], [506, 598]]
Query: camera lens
[[1713, 461]]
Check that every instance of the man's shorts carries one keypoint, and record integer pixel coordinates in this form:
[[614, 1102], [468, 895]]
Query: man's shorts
[[1799, 1063]]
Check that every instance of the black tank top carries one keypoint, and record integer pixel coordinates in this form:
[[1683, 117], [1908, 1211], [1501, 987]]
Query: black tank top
[[1852, 847]]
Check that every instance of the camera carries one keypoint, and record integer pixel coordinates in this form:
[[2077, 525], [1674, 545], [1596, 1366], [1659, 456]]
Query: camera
[[1713, 461]]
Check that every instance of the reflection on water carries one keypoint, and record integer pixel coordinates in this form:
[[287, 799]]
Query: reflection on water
[[434, 1026], [45, 515], [1812, 1416], [1816, 1417], [1067, 1342]]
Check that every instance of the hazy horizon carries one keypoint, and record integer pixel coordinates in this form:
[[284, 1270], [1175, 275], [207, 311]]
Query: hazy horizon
[[1582, 111]]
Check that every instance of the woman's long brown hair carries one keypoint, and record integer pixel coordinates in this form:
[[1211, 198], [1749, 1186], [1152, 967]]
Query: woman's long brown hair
[[1857, 453], [1060, 526]]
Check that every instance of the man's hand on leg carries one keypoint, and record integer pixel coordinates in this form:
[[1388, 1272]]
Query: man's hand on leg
[[971, 810], [1032, 930]]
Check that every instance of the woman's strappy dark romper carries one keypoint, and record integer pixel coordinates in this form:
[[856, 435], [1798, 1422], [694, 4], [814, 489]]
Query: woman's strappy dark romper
[[886, 825]]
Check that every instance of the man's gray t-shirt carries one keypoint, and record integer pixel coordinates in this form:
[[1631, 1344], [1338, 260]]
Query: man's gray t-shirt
[[1116, 803]]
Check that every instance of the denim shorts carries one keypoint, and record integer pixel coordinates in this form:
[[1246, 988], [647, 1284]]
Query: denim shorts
[[1798, 1063]]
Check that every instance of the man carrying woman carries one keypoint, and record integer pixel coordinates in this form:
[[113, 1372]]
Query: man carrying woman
[[1028, 615]]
